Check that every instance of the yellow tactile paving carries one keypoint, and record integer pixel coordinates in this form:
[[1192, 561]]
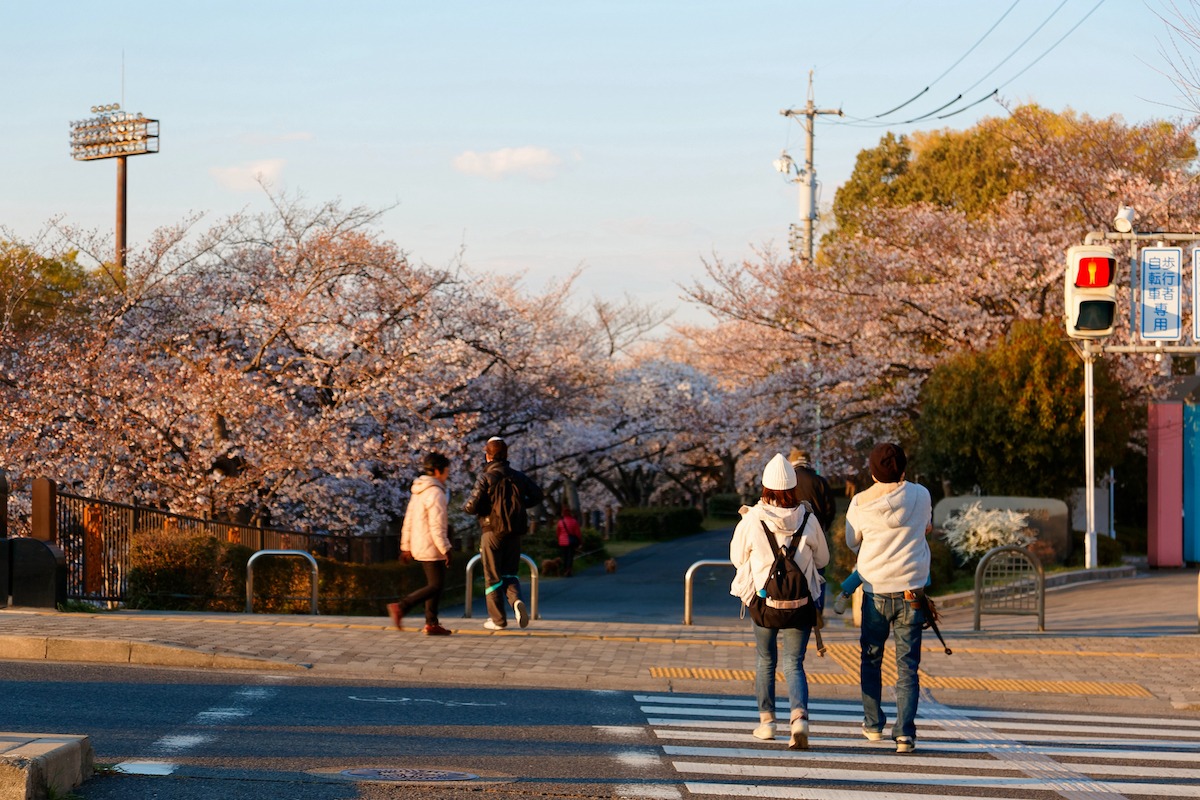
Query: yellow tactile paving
[[1093, 688]]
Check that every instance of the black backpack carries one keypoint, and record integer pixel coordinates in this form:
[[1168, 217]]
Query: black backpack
[[788, 603], [507, 513]]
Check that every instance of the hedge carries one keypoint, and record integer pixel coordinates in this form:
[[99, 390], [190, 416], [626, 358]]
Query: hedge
[[658, 523]]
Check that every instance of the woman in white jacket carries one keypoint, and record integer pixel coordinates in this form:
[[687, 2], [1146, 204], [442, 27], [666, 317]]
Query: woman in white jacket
[[424, 537], [753, 557]]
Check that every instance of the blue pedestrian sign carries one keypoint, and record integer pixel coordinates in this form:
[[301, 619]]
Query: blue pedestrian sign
[[1161, 306]]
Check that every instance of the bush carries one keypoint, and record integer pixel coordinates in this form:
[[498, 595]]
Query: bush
[[724, 506], [1109, 552], [201, 573], [659, 523], [975, 530]]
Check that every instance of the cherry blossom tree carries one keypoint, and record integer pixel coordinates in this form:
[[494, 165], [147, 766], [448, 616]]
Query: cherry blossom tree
[[898, 288]]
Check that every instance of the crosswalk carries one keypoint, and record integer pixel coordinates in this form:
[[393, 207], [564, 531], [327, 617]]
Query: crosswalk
[[961, 753]]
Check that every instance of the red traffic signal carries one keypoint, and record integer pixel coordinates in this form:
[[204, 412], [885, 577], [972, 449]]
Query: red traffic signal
[[1090, 299], [1094, 272]]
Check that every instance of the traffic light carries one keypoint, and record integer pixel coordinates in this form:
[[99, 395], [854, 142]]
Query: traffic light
[[1091, 292]]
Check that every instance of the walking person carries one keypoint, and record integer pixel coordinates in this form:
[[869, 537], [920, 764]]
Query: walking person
[[569, 537], [424, 537], [779, 526], [886, 525], [500, 498]]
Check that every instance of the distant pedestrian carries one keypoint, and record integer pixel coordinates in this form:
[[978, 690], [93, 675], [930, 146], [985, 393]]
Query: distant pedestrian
[[424, 537], [778, 525], [886, 525], [569, 538], [500, 498], [813, 489]]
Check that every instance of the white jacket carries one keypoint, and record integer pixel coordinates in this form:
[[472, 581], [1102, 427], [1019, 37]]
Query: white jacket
[[753, 559], [426, 523], [888, 533]]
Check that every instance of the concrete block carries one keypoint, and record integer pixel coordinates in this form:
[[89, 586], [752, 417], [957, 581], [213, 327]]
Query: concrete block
[[106, 651], [23, 647], [32, 765]]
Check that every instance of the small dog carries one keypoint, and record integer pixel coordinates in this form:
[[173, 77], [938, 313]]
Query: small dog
[[610, 566], [551, 566]]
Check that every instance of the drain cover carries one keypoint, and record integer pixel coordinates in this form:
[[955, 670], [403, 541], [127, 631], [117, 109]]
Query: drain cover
[[408, 775]]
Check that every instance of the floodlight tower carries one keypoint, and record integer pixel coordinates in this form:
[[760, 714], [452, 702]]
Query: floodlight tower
[[114, 133]]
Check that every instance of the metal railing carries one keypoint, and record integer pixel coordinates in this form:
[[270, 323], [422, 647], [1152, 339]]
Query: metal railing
[[468, 593], [687, 585], [96, 537], [250, 574], [1010, 580]]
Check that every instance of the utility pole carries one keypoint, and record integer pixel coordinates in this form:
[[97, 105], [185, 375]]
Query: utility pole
[[807, 177]]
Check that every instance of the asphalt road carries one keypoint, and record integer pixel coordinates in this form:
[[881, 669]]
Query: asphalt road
[[647, 587], [188, 734]]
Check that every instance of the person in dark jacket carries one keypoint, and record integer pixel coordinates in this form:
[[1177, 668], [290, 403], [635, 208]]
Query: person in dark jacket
[[814, 489], [500, 546]]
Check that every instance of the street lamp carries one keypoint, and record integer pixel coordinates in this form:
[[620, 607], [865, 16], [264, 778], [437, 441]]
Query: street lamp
[[114, 133]]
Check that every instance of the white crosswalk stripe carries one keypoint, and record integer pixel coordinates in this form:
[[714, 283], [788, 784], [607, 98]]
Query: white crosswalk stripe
[[1020, 755]]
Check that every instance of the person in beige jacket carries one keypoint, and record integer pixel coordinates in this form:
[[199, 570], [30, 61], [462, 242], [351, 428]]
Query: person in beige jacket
[[424, 537]]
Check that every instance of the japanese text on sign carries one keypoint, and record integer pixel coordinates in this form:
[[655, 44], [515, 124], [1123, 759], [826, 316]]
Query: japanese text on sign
[[1161, 304]]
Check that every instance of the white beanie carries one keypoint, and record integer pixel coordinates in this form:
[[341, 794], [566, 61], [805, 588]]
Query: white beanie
[[779, 474]]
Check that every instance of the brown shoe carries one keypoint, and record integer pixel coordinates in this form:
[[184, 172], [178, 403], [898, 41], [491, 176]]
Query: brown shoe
[[437, 630], [394, 613]]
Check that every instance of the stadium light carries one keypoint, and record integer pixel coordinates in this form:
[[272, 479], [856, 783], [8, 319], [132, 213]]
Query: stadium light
[[118, 134]]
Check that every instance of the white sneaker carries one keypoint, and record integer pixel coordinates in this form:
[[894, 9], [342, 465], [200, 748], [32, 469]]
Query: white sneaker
[[841, 603], [799, 735], [874, 736], [522, 613], [765, 731], [905, 744], [491, 626]]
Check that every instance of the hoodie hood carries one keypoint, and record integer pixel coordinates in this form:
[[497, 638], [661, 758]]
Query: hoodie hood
[[426, 482], [779, 520]]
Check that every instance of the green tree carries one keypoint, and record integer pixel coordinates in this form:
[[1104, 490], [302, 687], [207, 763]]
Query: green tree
[[1010, 418], [35, 289]]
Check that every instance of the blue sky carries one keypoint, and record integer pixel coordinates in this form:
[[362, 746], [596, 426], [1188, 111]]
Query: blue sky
[[633, 139]]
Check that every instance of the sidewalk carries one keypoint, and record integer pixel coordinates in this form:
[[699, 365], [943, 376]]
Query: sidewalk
[[1131, 637]]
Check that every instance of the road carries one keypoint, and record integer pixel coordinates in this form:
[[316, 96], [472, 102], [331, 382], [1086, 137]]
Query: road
[[191, 734]]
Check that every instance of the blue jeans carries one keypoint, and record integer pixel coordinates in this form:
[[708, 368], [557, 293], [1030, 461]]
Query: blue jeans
[[884, 614], [766, 644]]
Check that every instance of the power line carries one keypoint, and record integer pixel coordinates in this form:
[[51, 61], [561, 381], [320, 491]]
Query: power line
[[952, 66]]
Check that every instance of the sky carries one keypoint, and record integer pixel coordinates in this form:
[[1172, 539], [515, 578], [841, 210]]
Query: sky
[[633, 139]]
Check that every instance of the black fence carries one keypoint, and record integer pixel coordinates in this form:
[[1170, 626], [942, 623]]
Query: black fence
[[96, 535]]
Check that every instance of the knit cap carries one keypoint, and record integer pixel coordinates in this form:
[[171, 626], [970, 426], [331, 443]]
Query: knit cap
[[778, 474]]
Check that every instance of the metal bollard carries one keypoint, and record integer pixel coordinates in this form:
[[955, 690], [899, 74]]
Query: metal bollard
[[250, 574], [533, 586], [687, 585]]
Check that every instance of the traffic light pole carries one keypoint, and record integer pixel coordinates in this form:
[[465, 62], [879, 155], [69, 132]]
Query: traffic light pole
[[1090, 560], [1090, 350]]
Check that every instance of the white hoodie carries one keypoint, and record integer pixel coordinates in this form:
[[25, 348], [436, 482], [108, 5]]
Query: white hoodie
[[749, 552], [424, 533], [887, 531]]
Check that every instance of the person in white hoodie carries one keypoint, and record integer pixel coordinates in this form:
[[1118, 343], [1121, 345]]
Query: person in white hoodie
[[887, 525], [424, 537], [752, 552]]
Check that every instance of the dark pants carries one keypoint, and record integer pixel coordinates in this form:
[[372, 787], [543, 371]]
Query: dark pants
[[566, 552], [430, 593], [501, 557]]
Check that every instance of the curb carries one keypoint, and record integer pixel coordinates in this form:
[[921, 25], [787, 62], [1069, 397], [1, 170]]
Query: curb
[[34, 764], [126, 651]]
